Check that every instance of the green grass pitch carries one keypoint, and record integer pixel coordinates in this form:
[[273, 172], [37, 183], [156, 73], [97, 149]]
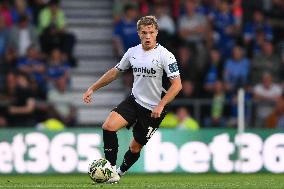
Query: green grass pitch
[[149, 181]]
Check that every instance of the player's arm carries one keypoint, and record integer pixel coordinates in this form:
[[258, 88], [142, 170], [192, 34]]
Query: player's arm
[[171, 94], [107, 78]]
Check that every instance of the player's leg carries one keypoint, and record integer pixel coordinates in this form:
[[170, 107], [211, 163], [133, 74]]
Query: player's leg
[[113, 123], [143, 130], [122, 115], [130, 157]]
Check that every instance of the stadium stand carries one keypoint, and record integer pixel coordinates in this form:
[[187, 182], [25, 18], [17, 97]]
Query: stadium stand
[[91, 22]]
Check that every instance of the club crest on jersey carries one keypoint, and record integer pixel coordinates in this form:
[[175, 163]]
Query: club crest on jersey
[[154, 61]]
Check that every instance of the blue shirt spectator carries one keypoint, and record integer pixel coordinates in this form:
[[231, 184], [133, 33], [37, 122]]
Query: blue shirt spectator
[[35, 68], [258, 24], [213, 71], [236, 70], [201, 8], [204, 9], [20, 8], [251, 29], [57, 71], [16, 14], [212, 74], [57, 67], [222, 20], [125, 31], [26, 62], [224, 23]]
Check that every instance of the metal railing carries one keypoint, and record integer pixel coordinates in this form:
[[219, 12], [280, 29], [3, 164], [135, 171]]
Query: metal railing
[[198, 105]]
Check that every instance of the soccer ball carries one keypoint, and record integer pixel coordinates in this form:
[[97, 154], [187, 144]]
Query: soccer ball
[[100, 170]]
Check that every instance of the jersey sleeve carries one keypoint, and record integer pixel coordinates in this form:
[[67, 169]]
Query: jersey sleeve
[[170, 64], [124, 63]]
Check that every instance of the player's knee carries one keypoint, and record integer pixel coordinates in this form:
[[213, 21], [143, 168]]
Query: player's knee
[[108, 127], [135, 148]]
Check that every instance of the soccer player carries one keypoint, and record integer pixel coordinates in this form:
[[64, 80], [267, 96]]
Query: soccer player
[[143, 109]]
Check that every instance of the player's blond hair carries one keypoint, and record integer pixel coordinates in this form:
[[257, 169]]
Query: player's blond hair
[[147, 20]]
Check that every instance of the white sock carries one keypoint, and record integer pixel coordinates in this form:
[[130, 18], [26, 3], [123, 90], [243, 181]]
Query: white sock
[[120, 172], [114, 167]]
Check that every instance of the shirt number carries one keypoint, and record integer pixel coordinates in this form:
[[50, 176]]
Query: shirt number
[[150, 133]]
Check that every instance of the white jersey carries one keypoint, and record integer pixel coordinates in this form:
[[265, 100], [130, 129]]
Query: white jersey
[[148, 69]]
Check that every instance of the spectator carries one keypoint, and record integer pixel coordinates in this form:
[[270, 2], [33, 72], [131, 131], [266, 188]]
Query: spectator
[[236, 70], [125, 36], [236, 75], [213, 72], [188, 67], [257, 24], [275, 18], [36, 69], [280, 107], [20, 8], [216, 118], [52, 38], [225, 26], [276, 118], [119, 8], [166, 25], [57, 68], [188, 90], [8, 91], [205, 7], [249, 6], [51, 27], [3, 37], [170, 121], [125, 31], [266, 94], [9, 61], [5, 13], [145, 7], [7, 96], [22, 36], [180, 120], [254, 49], [237, 11], [185, 121], [61, 102], [3, 121], [192, 28], [36, 6], [52, 14], [21, 112], [266, 61]]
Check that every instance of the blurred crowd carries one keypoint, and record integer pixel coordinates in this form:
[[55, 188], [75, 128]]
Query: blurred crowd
[[221, 46], [36, 54]]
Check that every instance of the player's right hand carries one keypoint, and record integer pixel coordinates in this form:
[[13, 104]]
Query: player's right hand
[[87, 96]]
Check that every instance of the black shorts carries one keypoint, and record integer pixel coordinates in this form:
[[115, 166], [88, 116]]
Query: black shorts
[[138, 117]]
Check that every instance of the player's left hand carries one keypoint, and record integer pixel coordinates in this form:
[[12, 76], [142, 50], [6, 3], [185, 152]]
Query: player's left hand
[[156, 112], [87, 96]]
